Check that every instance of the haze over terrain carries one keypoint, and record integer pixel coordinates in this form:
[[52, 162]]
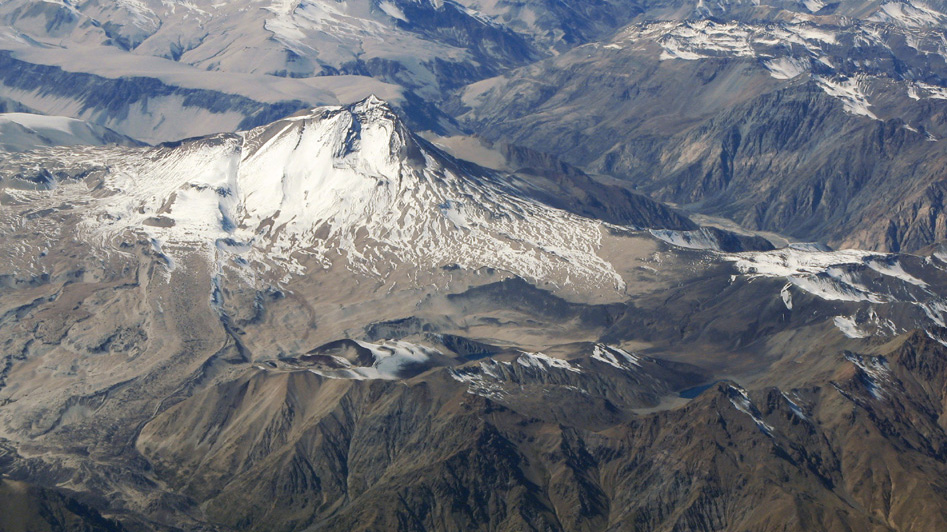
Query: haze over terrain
[[441, 265]]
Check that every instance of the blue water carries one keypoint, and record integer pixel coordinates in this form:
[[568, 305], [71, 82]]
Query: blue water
[[691, 393]]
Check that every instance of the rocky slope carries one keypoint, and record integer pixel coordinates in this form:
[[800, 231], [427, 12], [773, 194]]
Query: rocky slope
[[27, 508], [422, 456], [821, 125]]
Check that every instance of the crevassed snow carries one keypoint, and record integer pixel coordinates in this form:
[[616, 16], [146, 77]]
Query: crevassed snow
[[788, 49], [824, 273], [705, 38], [789, 261], [847, 276], [394, 356], [693, 40], [483, 383], [836, 285]]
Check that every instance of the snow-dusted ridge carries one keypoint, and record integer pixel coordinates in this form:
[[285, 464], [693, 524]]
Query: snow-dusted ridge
[[873, 280], [543, 362], [26, 131], [831, 275], [814, 49]]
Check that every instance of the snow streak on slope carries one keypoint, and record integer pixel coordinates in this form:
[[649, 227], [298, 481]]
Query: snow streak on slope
[[741, 401], [615, 356], [874, 371], [345, 185]]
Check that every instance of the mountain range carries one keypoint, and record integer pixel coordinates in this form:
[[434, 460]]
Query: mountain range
[[519, 265], [212, 333]]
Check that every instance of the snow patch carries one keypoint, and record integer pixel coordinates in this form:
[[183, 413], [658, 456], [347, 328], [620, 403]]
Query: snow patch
[[786, 296], [849, 328], [786, 67], [392, 359], [545, 362], [614, 356], [849, 91]]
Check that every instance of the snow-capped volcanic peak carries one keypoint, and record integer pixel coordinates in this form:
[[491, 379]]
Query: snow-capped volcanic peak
[[347, 185], [326, 165]]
